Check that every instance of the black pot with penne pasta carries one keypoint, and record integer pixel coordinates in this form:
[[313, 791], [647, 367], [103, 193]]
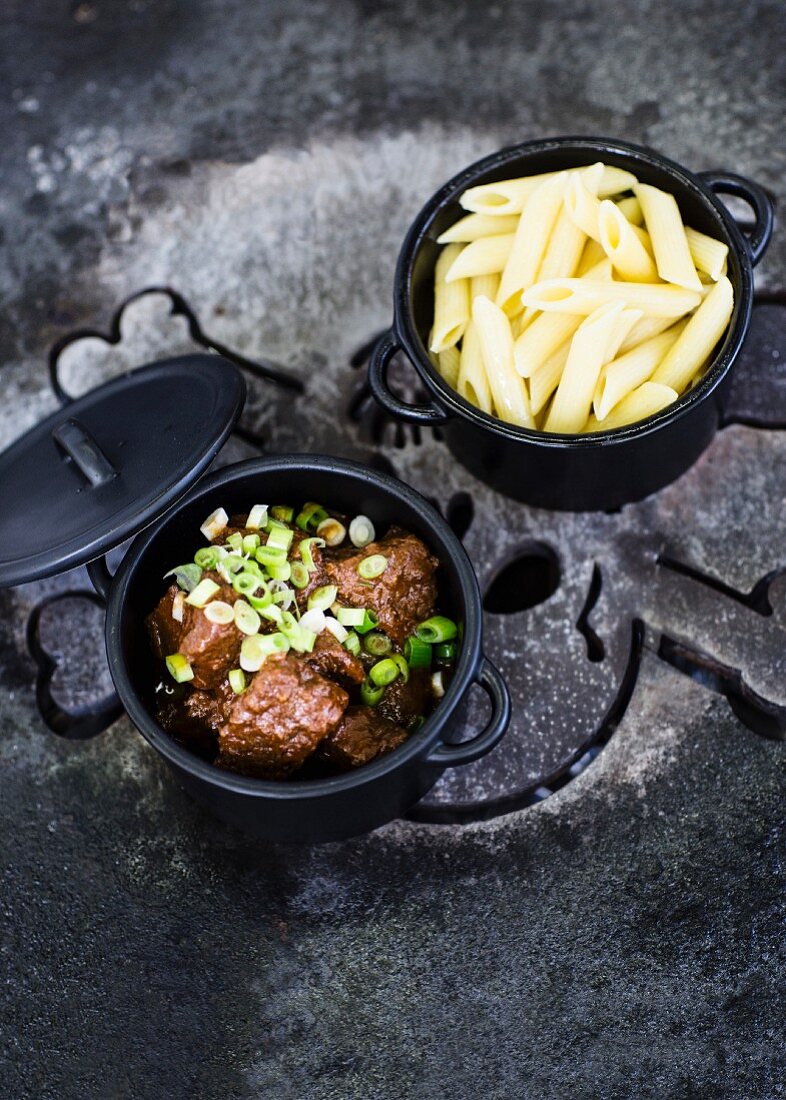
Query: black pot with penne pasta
[[574, 308]]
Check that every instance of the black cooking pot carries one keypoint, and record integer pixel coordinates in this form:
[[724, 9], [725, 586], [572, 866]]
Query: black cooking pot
[[124, 456], [600, 470]]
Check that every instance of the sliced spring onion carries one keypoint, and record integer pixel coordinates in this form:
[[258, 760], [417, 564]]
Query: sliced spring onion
[[384, 672], [237, 680], [246, 584], [372, 566], [214, 524], [178, 606], [352, 643], [280, 570], [231, 564], [402, 666], [235, 542], [282, 512], [339, 632], [272, 612], [437, 685], [257, 517], [250, 543], [283, 596], [311, 516], [351, 616], [445, 651], [436, 629], [257, 647], [370, 622], [361, 531], [203, 593], [187, 577], [332, 531], [306, 640], [377, 644], [299, 574], [314, 620], [322, 598], [246, 618], [219, 612], [179, 668], [207, 557], [261, 600], [417, 652], [280, 538], [269, 555], [306, 549], [371, 693]]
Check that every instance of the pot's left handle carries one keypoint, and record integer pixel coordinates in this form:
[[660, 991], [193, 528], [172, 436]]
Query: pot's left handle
[[425, 415], [88, 720], [490, 679]]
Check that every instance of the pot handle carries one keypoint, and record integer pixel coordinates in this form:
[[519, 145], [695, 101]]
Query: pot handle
[[384, 350], [100, 578], [728, 183], [89, 720], [447, 756]]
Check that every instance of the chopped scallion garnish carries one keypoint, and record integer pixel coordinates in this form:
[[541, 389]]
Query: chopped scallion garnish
[[237, 680], [214, 524], [257, 517], [207, 557], [332, 531], [280, 537], [371, 693], [280, 570], [178, 607], [322, 598], [179, 668], [377, 644], [203, 593], [445, 651], [351, 616], [314, 620], [436, 629], [246, 618], [402, 666], [417, 652], [235, 542], [370, 622], [270, 555], [352, 643], [339, 632], [311, 516], [246, 584], [437, 685], [250, 544], [186, 576], [256, 648], [219, 612], [361, 531], [384, 672], [372, 566], [299, 575], [306, 549], [282, 512]]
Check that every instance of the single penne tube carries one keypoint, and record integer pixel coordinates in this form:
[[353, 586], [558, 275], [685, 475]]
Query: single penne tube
[[448, 364], [509, 196], [508, 390], [631, 209], [451, 302], [627, 372], [566, 243], [485, 256], [486, 285], [695, 343], [472, 383], [643, 330], [546, 378], [537, 342], [474, 226], [586, 295], [629, 258], [648, 399], [582, 206], [529, 243], [625, 322], [593, 254], [707, 254], [587, 355], [522, 321], [669, 243]]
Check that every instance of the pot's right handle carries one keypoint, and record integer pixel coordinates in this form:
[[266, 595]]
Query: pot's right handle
[[728, 183], [490, 679], [426, 415]]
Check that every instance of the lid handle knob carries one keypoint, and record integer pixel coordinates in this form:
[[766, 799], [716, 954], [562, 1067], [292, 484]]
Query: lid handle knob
[[73, 438]]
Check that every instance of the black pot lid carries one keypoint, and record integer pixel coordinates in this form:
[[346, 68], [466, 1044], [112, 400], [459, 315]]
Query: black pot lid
[[109, 463]]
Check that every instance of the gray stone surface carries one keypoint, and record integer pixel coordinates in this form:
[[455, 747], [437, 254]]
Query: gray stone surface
[[623, 938]]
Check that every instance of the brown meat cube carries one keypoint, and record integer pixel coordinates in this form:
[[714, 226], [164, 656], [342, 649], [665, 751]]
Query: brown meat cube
[[211, 649], [403, 595], [194, 717], [279, 720], [401, 702], [330, 659], [362, 735]]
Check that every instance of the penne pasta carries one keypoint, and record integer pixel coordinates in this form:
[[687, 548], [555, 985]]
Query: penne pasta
[[707, 254], [582, 206], [593, 254], [667, 233], [546, 378], [485, 256], [541, 339], [509, 196], [693, 346], [475, 226], [451, 303], [529, 243], [508, 391], [586, 295], [588, 352], [625, 373], [625, 322], [448, 364], [645, 401], [486, 285], [473, 383], [628, 256], [631, 209], [643, 330]]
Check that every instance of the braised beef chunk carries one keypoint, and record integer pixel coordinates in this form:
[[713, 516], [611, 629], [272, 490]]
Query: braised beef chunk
[[278, 721], [194, 717], [210, 648], [403, 702], [403, 595], [362, 735], [330, 659]]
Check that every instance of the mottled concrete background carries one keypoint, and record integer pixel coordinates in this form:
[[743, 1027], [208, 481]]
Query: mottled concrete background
[[624, 938]]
